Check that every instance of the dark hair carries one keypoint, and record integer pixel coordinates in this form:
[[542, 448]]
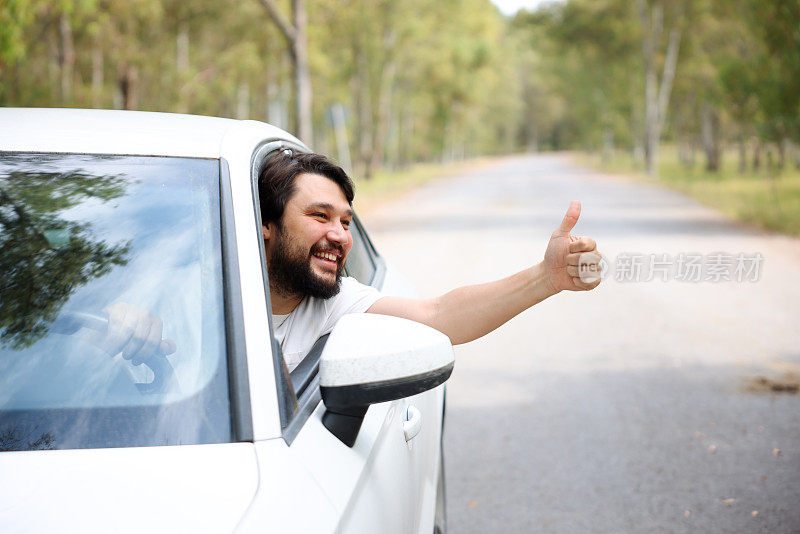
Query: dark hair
[[277, 178]]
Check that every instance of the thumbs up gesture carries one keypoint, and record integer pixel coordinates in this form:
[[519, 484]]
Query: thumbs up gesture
[[572, 263]]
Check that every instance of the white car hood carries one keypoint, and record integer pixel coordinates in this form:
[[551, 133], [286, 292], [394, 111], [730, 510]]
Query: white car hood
[[198, 488]]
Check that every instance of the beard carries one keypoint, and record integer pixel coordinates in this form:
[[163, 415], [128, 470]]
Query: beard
[[290, 270]]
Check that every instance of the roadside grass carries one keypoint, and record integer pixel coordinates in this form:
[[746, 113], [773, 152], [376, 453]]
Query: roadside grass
[[768, 198], [386, 185]]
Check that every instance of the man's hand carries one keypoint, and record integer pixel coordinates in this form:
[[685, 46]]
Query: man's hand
[[571, 263], [135, 333]]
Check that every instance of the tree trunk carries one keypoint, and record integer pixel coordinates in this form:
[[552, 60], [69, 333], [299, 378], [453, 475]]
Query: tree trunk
[[301, 74], [286, 90], [782, 152], [742, 155], [393, 142], [297, 37], [364, 121], [651, 32], [97, 74], [67, 58], [406, 135], [182, 66], [532, 136], [243, 101], [339, 121], [608, 145], [276, 109], [182, 48], [128, 87], [684, 150], [278, 93], [756, 153], [384, 111], [668, 76], [656, 98], [638, 136], [271, 90], [796, 151], [709, 129]]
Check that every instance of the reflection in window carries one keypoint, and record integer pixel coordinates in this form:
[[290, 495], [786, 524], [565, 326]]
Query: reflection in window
[[78, 234]]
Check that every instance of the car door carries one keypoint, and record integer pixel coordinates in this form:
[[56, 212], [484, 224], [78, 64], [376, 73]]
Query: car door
[[367, 266], [375, 484]]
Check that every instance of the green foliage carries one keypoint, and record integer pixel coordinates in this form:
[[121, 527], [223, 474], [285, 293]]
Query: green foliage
[[422, 79], [15, 15]]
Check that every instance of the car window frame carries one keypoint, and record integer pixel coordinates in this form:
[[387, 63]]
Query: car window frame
[[357, 230], [241, 422], [379, 273], [298, 393], [238, 382]]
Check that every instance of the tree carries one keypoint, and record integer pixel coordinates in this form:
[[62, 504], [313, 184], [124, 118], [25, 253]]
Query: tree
[[297, 36], [15, 16], [44, 258], [651, 18], [776, 24]]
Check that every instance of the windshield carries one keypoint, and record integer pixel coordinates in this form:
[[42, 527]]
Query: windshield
[[81, 235]]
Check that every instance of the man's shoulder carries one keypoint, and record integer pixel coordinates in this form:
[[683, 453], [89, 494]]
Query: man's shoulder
[[349, 288], [353, 296], [349, 283]]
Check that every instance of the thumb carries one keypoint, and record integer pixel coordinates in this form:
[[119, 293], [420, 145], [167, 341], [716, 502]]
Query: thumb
[[570, 218], [166, 347]]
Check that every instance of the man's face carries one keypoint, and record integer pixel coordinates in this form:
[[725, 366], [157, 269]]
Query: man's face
[[307, 251]]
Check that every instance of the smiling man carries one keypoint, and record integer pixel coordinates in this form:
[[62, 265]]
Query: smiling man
[[306, 209], [306, 213]]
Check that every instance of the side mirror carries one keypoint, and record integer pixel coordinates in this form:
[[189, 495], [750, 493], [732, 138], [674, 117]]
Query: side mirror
[[371, 358]]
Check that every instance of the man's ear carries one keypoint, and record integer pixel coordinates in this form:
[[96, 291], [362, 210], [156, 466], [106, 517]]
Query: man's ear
[[265, 231]]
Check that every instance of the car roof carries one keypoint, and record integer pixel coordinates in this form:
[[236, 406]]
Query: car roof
[[91, 131]]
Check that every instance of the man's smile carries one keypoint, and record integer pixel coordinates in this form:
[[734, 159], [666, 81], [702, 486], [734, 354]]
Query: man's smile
[[327, 258]]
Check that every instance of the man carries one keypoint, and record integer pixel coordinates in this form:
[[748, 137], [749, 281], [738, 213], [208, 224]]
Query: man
[[306, 210]]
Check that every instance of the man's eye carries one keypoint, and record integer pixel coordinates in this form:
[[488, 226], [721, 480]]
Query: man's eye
[[319, 215], [346, 224]]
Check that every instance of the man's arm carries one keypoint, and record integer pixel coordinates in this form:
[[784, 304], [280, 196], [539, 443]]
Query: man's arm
[[470, 312]]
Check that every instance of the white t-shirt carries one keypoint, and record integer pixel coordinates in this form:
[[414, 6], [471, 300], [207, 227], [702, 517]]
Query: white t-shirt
[[297, 331]]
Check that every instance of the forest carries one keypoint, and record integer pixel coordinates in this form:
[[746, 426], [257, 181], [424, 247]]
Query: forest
[[381, 84]]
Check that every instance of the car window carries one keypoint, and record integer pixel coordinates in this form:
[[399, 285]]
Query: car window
[[360, 264], [80, 233]]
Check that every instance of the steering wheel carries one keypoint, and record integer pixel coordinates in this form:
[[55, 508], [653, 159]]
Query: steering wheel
[[163, 374]]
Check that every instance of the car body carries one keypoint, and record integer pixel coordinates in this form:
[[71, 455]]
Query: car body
[[161, 210]]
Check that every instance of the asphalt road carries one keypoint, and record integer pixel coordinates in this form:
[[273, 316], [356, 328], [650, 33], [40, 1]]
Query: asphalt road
[[644, 406]]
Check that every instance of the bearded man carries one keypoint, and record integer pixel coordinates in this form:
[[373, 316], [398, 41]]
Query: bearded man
[[306, 211]]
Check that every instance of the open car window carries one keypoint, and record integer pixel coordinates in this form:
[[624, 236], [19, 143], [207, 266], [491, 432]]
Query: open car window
[[298, 391]]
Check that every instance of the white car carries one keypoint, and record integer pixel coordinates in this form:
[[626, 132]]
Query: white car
[[160, 211]]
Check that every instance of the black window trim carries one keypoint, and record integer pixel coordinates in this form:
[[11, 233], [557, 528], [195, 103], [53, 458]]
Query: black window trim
[[238, 381]]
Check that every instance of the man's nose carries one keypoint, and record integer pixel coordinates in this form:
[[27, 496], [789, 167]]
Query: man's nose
[[337, 233]]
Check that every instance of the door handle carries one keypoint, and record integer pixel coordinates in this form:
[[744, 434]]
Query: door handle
[[413, 422]]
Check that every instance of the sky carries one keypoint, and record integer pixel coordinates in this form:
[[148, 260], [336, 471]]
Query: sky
[[509, 7]]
